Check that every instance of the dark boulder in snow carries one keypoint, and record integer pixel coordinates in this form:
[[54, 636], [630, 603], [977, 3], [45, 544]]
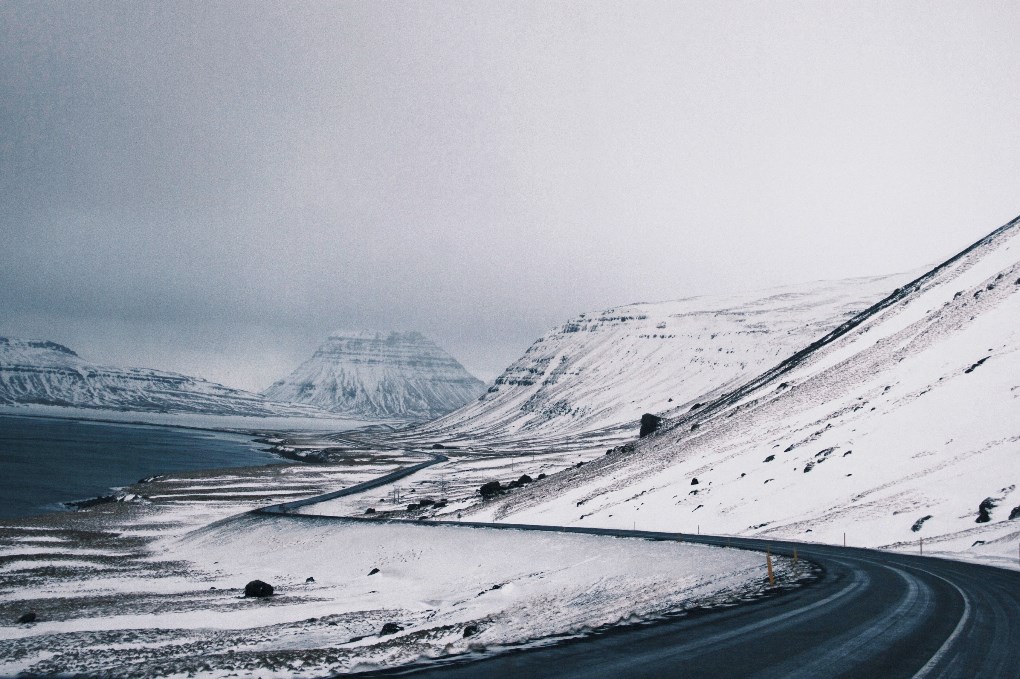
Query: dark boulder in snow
[[920, 522], [984, 509], [649, 424], [694, 482], [370, 510], [470, 630], [390, 628], [373, 571], [27, 617], [257, 588], [490, 489], [309, 579], [1015, 513]]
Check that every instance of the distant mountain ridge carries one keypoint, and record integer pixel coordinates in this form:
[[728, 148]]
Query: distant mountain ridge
[[601, 370], [42, 372], [376, 375]]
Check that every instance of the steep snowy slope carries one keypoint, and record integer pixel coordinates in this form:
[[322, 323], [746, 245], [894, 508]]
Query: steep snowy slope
[[603, 370], [902, 424], [47, 373], [379, 376]]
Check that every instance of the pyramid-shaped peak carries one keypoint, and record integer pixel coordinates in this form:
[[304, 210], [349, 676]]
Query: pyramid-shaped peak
[[371, 374]]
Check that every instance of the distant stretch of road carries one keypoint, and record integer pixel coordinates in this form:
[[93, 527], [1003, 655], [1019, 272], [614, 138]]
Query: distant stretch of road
[[872, 614]]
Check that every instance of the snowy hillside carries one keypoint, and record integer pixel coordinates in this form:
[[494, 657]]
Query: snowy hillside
[[901, 424], [45, 373], [603, 370], [379, 376]]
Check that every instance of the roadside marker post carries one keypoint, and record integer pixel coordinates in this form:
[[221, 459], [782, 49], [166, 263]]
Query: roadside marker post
[[922, 545], [768, 563]]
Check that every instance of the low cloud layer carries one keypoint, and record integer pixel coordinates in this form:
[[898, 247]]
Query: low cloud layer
[[214, 187]]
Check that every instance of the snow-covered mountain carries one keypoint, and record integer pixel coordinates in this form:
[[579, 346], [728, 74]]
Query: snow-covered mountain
[[46, 373], [375, 375], [602, 370], [902, 423]]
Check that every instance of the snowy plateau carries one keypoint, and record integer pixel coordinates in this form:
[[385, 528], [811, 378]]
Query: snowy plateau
[[379, 376]]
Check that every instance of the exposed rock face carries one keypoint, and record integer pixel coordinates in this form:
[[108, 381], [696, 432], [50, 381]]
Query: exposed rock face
[[47, 373], [374, 375]]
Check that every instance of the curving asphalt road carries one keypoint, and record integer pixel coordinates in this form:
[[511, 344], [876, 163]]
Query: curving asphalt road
[[871, 614]]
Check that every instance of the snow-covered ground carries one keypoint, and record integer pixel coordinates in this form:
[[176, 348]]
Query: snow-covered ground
[[152, 587]]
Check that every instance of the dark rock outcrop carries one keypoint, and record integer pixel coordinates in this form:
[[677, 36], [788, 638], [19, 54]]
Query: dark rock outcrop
[[649, 424], [390, 628], [490, 489], [257, 588]]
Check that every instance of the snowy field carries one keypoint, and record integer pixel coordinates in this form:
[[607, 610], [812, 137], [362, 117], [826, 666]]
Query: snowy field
[[153, 586]]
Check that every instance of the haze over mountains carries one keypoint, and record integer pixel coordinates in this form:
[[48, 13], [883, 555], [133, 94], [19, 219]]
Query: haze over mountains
[[902, 423], [377, 376]]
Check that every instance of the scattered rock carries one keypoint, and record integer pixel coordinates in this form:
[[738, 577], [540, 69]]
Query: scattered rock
[[541, 476], [971, 369], [411, 507], [649, 424], [524, 479], [426, 502], [1015, 513], [257, 588], [373, 571], [920, 522], [27, 617], [694, 481], [770, 458], [370, 510], [470, 630], [809, 466], [309, 579], [490, 489], [984, 510], [438, 446], [390, 628], [696, 406]]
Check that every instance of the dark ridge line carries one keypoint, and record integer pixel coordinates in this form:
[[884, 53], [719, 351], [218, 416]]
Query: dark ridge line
[[728, 399]]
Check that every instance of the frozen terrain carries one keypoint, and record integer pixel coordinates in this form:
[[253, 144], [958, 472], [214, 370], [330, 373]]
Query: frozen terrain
[[903, 424], [600, 371], [152, 586], [42, 373], [379, 376]]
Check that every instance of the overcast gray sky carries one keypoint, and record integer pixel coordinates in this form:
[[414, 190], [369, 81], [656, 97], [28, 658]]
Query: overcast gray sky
[[214, 187]]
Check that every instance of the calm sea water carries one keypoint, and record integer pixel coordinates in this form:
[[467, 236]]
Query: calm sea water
[[44, 462]]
